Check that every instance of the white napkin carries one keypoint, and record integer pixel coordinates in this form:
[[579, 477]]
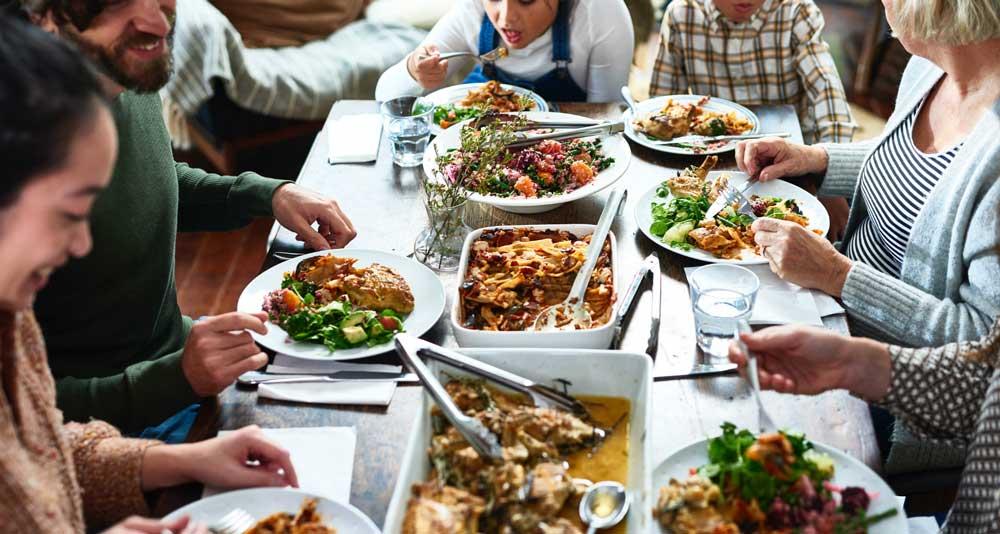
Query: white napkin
[[286, 364], [354, 392], [781, 302], [354, 138], [323, 458]]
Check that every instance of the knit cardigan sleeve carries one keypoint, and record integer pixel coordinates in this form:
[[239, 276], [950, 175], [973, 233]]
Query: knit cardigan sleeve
[[109, 470]]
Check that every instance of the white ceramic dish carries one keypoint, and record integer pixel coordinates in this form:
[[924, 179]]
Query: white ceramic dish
[[614, 146], [428, 298], [819, 219], [456, 93], [587, 370], [654, 105], [848, 472], [262, 502], [594, 338]]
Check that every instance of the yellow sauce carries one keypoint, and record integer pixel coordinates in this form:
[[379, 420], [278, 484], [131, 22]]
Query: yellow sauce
[[610, 461]]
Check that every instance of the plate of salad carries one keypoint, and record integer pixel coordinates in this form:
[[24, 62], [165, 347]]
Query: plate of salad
[[458, 103], [672, 214], [738, 482], [343, 304]]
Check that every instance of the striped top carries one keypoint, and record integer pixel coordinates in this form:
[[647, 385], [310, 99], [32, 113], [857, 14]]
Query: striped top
[[895, 183]]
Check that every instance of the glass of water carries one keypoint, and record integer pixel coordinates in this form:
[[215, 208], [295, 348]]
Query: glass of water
[[408, 120], [721, 295]]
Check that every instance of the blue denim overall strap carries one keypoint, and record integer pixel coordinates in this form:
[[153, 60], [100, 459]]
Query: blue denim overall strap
[[557, 84]]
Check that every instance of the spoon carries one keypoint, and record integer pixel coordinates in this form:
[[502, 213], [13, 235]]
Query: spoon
[[627, 95], [572, 307], [604, 505]]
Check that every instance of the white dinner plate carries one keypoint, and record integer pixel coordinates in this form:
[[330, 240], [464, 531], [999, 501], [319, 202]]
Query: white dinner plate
[[262, 502], [614, 146], [428, 298], [819, 219], [654, 105], [848, 471], [456, 93]]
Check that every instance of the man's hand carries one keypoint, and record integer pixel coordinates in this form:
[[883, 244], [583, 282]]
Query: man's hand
[[297, 208], [219, 349]]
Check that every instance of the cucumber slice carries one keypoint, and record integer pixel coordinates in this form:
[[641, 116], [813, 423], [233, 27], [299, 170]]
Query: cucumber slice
[[678, 233], [354, 334]]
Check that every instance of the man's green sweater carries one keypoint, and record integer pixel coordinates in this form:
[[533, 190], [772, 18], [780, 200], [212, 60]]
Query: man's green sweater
[[111, 323]]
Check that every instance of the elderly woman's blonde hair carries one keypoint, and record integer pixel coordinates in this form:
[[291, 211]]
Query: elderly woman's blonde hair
[[950, 22]]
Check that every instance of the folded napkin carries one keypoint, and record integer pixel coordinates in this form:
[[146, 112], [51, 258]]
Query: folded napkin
[[354, 138], [286, 364], [354, 392], [323, 459], [781, 302]]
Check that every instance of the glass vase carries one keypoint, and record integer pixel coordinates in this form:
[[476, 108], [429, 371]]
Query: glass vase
[[439, 245]]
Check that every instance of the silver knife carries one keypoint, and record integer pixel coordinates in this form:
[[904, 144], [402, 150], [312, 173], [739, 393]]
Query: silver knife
[[256, 378], [689, 139], [723, 199]]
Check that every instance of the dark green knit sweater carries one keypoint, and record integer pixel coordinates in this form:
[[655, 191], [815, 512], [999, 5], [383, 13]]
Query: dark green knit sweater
[[111, 323]]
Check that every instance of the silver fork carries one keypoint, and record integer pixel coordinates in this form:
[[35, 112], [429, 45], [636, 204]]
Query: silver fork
[[728, 196], [236, 521], [764, 421], [490, 57]]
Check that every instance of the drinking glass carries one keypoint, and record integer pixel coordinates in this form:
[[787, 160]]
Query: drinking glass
[[408, 121], [721, 295]]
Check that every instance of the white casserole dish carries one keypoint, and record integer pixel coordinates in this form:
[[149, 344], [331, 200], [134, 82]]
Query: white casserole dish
[[594, 338], [587, 371]]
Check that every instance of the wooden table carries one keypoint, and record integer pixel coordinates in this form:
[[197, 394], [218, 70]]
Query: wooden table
[[384, 203]]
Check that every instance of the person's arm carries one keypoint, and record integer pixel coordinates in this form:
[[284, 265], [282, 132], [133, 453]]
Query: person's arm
[[938, 392], [450, 34], [144, 394], [109, 470], [211, 201], [819, 79], [612, 42], [668, 70]]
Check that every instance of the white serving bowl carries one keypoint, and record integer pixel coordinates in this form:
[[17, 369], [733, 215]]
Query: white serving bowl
[[594, 338], [588, 372]]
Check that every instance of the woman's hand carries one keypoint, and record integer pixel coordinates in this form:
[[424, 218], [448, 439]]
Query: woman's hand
[[241, 459], [807, 361], [142, 525], [426, 67], [771, 158], [800, 256]]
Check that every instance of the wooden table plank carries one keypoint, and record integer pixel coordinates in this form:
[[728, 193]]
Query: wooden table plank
[[384, 203]]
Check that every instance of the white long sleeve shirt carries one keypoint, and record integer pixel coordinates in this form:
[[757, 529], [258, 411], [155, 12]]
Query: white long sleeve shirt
[[601, 46]]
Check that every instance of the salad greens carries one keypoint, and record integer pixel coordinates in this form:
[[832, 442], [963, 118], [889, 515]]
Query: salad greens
[[673, 221]]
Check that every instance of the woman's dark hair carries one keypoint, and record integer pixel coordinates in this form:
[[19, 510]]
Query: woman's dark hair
[[48, 91]]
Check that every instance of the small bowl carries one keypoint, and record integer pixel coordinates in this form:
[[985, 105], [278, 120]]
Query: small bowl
[[593, 338]]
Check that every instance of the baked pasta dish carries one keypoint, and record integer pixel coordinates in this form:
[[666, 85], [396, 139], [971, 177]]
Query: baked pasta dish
[[548, 458], [680, 222], [306, 521], [678, 119], [515, 273]]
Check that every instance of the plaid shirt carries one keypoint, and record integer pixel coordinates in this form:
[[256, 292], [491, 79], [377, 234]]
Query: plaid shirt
[[777, 57]]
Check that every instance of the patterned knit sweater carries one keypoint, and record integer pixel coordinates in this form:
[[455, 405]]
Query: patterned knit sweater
[[952, 394], [53, 476]]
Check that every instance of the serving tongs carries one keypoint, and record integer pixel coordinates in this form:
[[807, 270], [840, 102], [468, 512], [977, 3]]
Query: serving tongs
[[604, 128], [491, 118], [649, 267]]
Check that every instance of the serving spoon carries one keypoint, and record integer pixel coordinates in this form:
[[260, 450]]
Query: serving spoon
[[604, 505], [572, 306]]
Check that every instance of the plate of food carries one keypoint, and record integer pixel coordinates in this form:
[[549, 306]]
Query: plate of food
[[343, 304], [281, 511], [531, 179], [510, 274], [457, 103], [552, 455], [778, 482], [668, 117], [672, 214]]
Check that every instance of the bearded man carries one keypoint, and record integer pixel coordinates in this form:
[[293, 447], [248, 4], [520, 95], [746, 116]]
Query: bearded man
[[118, 345]]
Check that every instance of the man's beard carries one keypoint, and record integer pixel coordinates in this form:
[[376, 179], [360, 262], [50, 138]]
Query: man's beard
[[113, 64]]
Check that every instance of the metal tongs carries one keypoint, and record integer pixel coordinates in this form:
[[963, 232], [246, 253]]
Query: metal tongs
[[492, 117], [411, 348], [649, 266], [604, 128]]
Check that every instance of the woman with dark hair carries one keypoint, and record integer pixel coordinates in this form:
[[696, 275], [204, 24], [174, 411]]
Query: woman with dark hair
[[57, 149]]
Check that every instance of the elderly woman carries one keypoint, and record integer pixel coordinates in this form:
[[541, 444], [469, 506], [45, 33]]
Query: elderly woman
[[920, 260], [58, 146], [951, 394]]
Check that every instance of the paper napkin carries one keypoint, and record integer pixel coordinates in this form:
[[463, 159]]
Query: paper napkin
[[354, 138], [353, 392], [323, 458]]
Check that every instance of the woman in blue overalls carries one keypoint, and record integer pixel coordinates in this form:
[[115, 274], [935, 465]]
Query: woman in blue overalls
[[564, 50]]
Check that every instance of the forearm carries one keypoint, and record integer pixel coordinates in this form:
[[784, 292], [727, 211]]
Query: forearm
[[843, 166], [166, 466], [871, 374], [395, 82], [144, 394], [211, 201]]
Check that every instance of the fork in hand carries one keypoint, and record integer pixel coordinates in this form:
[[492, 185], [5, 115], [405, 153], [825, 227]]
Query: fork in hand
[[764, 421], [237, 521]]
